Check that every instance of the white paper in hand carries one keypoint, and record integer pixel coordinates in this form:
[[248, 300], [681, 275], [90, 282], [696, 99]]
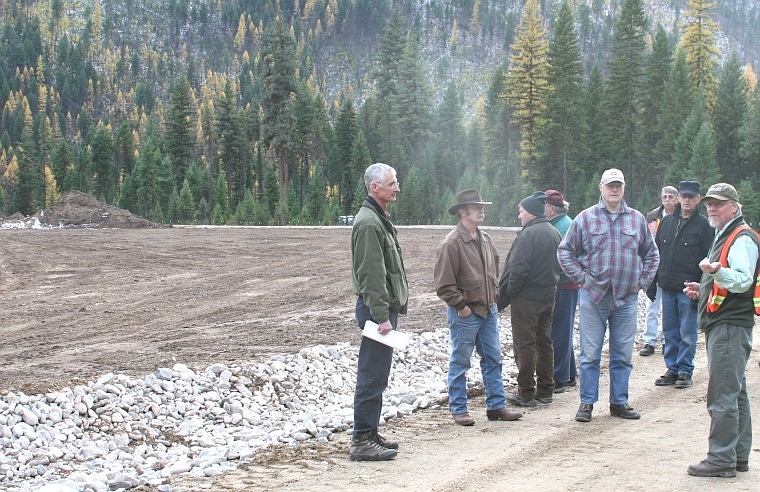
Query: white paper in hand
[[394, 338]]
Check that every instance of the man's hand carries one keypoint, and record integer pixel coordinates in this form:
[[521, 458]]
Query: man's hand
[[691, 289], [708, 267], [385, 328], [465, 311]]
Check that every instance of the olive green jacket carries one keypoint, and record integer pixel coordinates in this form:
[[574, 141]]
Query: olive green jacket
[[377, 270]]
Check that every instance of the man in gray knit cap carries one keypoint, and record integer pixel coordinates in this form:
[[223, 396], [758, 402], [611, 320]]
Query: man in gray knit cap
[[528, 283]]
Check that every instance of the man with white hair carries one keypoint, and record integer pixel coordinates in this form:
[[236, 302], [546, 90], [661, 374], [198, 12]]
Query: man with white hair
[[727, 308]]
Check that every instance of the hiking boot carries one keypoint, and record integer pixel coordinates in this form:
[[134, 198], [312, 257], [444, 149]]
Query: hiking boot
[[666, 379], [463, 419], [646, 350], [706, 469], [502, 414], [742, 465], [364, 447], [386, 443], [584, 412], [624, 410], [517, 401], [684, 381]]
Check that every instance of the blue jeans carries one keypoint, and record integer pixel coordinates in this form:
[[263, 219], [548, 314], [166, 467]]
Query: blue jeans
[[595, 321], [482, 334], [563, 319], [679, 329], [653, 320], [372, 373]]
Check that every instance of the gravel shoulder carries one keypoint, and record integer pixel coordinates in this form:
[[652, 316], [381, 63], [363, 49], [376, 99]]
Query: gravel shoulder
[[79, 303]]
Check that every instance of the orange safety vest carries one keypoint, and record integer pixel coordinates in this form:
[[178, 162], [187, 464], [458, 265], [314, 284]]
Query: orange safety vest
[[718, 295]]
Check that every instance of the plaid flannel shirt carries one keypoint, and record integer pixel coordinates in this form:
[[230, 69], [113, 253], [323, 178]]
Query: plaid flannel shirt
[[603, 250]]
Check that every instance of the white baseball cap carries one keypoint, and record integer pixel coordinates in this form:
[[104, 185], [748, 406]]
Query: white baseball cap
[[612, 175]]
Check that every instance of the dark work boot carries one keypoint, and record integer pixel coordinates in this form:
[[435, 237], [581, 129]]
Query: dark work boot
[[386, 443], [364, 447]]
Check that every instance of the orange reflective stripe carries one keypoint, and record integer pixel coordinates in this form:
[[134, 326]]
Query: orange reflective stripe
[[718, 295]]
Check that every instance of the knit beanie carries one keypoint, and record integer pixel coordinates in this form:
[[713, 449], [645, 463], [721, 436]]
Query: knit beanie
[[534, 204]]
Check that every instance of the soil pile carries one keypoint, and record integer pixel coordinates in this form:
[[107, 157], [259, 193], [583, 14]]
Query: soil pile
[[77, 209]]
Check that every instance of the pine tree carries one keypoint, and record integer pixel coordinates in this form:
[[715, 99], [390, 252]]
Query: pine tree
[[593, 164], [186, 210], [448, 145], [703, 165], [527, 82], [728, 116], [103, 164], [749, 150], [343, 144], [180, 129], [387, 75], [146, 178], [564, 103], [699, 42], [414, 96], [677, 102], [279, 82], [623, 93], [658, 66], [231, 144], [684, 145]]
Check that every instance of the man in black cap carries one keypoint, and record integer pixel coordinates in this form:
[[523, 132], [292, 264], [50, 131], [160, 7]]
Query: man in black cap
[[465, 273], [683, 238], [529, 282]]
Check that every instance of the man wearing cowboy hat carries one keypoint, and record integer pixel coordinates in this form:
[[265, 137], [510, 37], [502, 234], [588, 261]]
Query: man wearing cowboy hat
[[465, 274]]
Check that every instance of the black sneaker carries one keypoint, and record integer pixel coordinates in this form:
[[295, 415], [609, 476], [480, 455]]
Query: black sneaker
[[683, 381], [666, 379], [364, 447], [584, 412], [646, 350], [623, 410]]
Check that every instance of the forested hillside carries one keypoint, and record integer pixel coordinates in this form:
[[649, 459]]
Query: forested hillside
[[268, 111]]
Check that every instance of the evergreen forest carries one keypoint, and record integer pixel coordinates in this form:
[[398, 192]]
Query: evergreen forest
[[267, 112]]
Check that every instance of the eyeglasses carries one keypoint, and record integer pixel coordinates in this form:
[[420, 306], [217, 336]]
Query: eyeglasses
[[717, 203]]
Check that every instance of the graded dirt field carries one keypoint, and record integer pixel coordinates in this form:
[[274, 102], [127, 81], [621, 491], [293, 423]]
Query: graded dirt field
[[76, 303]]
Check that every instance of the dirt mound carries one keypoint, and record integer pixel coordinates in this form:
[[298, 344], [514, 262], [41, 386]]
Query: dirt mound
[[76, 209]]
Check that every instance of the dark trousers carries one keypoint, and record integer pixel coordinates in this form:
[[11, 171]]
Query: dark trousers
[[563, 321], [534, 353], [372, 374]]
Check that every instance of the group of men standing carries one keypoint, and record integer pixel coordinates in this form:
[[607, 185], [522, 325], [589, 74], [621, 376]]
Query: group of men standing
[[598, 261]]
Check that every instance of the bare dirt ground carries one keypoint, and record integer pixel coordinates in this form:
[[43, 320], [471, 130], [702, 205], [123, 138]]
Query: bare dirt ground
[[75, 304]]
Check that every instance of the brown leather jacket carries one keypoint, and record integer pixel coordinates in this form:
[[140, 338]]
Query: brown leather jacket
[[466, 271]]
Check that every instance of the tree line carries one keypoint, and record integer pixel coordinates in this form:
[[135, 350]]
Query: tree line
[[267, 147]]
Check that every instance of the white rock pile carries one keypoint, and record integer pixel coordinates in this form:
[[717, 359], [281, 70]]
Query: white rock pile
[[121, 432]]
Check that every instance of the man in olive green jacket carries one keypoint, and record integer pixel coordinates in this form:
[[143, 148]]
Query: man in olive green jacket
[[379, 281]]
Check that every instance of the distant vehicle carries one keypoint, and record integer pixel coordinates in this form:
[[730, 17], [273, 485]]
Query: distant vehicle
[[345, 220]]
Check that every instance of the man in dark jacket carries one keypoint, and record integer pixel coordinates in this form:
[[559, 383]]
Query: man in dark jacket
[[529, 280], [684, 238], [379, 282]]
